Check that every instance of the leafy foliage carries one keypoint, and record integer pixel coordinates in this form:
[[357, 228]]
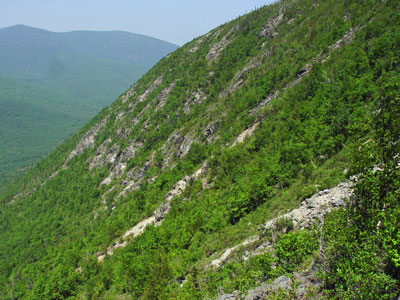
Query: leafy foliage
[[341, 114]]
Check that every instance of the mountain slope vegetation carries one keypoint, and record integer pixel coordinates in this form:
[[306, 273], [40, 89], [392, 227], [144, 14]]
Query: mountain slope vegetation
[[53, 83], [167, 193]]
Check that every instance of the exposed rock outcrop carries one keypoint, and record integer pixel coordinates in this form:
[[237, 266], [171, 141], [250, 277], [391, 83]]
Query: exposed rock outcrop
[[347, 38], [176, 146], [123, 132], [196, 97], [210, 131], [246, 133], [129, 93], [87, 140], [216, 263], [264, 103], [134, 178], [162, 97], [158, 215], [100, 155], [152, 87], [262, 291], [310, 212], [270, 29], [304, 283], [239, 78], [218, 47]]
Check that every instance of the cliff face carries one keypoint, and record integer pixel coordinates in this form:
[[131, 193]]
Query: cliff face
[[174, 190]]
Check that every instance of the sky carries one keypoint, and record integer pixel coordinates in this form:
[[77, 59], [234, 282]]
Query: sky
[[176, 21]]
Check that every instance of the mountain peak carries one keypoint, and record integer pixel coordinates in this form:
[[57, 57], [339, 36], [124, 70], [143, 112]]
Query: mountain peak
[[23, 28]]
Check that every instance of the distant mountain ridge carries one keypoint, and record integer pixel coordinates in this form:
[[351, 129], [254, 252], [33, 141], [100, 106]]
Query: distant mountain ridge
[[51, 83], [33, 46]]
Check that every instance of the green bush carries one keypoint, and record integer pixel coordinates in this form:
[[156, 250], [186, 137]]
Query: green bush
[[294, 248]]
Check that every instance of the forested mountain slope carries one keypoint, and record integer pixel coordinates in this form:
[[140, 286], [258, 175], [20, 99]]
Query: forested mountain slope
[[175, 190], [53, 83]]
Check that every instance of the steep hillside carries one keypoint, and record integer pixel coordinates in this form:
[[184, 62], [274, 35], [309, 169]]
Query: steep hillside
[[53, 83], [225, 171]]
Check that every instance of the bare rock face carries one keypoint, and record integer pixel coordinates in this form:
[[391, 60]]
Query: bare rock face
[[176, 190], [347, 38], [282, 282], [87, 140], [123, 132], [220, 261], [210, 131], [159, 214], [198, 43], [196, 97], [218, 47], [143, 97], [262, 291], [134, 178], [120, 115], [312, 210], [246, 133], [305, 281], [267, 290], [264, 103], [176, 146], [162, 97], [97, 158], [184, 146], [111, 154], [238, 79], [270, 29], [196, 46], [118, 159], [103, 156], [129, 93], [228, 296], [153, 86]]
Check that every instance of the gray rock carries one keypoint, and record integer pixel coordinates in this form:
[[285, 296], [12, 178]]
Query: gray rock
[[306, 281], [270, 29], [282, 282], [227, 297], [257, 293], [239, 78], [164, 95], [316, 207], [196, 97], [218, 47], [152, 87], [300, 278], [210, 131], [88, 140]]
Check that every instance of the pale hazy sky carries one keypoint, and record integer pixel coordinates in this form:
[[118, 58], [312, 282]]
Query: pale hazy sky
[[177, 21]]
